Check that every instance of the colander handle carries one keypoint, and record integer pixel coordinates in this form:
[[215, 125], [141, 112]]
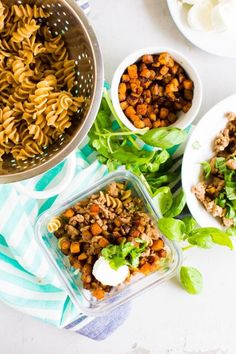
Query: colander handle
[[69, 172]]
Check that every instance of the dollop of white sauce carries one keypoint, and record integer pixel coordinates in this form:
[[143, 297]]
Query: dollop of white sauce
[[107, 275], [224, 15], [212, 15]]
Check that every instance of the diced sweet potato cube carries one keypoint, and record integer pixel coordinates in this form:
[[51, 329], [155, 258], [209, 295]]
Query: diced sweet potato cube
[[145, 73], [75, 247], [147, 59], [142, 109], [82, 256], [187, 107], [130, 111], [163, 123], [153, 116], [99, 293], [188, 84], [188, 95], [154, 89], [69, 213], [139, 124], [175, 68], [122, 91], [147, 122], [124, 105], [164, 113], [157, 245], [157, 123], [132, 100], [164, 70], [147, 84], [165, 59], [133, 71], [103, 242], [95, 229], [134, 118], [65, 245], [86, 235], [125, 78], [152, 75], [94, 209], [146, 269], [135, 85]]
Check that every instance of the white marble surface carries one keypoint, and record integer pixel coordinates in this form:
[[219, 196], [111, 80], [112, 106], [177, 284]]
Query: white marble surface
[[165, 320]]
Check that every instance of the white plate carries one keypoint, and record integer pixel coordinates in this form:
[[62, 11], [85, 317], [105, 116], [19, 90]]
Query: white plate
[[199, 149], [218, 43]]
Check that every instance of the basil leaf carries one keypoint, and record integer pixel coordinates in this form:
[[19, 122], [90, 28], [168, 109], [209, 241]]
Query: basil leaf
[[206, 168], [159, 158], [222, 240], [163, 200], [164, 138], [128, 154], [191, 280], [178, 204], [190, 224], [218, 237], [173, 229], [203, 241]]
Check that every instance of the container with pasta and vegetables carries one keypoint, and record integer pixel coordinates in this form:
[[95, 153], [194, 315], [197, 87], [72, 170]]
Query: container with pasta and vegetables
[[105, 245]]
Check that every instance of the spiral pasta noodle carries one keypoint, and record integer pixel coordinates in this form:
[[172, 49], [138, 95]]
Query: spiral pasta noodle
[[54, 225], [37, 78]]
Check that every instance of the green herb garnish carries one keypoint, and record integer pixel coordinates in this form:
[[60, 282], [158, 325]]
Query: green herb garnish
[[124, 254]]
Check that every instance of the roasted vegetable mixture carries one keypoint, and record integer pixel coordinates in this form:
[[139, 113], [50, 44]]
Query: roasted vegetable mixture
[[111, 224], [217, 191], [153, 91]]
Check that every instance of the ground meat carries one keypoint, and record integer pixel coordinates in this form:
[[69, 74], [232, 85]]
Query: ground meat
[[230, 116], [212, 188], [227, 222], [199, 190], [222, 141], [112, 216]]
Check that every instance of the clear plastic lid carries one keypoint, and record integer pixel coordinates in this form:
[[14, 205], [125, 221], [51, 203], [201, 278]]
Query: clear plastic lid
[[70, 278]]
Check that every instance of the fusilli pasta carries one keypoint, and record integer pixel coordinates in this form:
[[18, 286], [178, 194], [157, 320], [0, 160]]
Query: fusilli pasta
[[54, 225], [36, 80]]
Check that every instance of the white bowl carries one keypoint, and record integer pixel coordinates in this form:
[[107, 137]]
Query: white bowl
[[200, 148], [184, 119]]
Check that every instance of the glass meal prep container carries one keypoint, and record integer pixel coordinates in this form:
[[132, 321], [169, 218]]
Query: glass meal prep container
[[70, 277]]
